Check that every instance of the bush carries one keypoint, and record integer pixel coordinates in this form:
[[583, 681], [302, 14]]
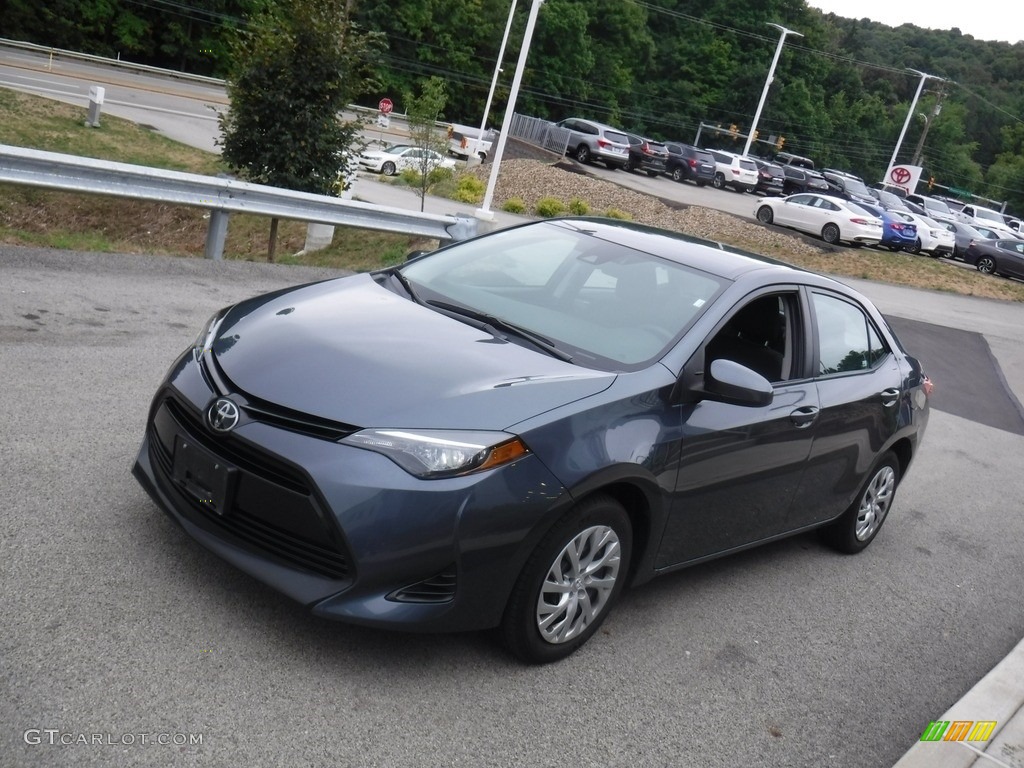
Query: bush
[[615, 213], [514, 205], [469, 189], [578, 207], [548, 207]]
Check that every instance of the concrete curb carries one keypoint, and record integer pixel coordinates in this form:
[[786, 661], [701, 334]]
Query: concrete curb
[[998, 696]]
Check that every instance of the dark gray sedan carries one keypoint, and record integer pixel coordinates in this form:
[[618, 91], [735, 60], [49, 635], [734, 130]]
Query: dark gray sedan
[[508, 431], [997, 257]]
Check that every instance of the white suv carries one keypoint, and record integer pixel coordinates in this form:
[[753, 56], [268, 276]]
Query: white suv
[[734, 171]]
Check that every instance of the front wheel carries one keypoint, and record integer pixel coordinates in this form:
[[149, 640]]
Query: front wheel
[[569, 583], [388, 169], [765, 215], [859, 524], [719, 182], [986, 264], [678, 175], [830, 234]]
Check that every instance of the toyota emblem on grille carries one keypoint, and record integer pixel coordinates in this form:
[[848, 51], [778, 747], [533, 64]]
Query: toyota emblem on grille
[[222, 415]]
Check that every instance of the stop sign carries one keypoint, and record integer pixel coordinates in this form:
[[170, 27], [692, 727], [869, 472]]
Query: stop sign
[[385, 106]]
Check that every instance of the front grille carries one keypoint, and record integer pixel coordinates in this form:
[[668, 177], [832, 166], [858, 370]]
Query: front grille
[[439, 588], [273, 509]]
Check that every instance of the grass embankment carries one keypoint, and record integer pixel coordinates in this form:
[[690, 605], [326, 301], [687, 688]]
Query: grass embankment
[[30, 216], [95, 223]]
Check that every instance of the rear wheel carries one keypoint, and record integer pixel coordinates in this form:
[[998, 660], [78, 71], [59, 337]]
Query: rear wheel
[[570, 582], [719, 181], [677, 174], [765, 215], [861, 522], [830, 234], [629, 165], [986, 264], [916, 247], [583, 153]]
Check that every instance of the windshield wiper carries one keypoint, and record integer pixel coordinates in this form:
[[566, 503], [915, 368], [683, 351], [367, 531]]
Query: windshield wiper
[[498, 327], [404, 281]]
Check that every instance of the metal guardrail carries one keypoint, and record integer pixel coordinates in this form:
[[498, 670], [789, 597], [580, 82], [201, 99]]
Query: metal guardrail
[[221, 196]]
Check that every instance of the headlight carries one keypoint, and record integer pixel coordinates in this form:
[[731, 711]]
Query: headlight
[[206, 336], [441, 453]]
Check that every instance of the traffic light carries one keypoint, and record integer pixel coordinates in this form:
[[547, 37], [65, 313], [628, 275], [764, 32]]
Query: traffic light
[[931, 183], [780, 143], [734, 130]]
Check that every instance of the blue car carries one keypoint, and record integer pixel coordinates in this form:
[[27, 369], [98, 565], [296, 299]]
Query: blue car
[[509, 430], [897, 235]]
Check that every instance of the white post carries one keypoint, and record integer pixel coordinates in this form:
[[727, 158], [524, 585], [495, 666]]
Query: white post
[[768, 82], [494, 80], [484, 211]]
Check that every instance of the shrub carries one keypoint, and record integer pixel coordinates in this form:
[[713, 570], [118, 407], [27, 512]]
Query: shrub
[[469, 189], [514, 205], [578, 207], [615, 213], [548, 207]]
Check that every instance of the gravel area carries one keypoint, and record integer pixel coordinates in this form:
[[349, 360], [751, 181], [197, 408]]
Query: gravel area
[[531, 179]]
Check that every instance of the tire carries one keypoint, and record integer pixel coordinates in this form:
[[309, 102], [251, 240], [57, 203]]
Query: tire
[[858, 525], [986, 265], [652, 174], [629, 165], [719, 182], [915, 248], [388, 169], [678, 175], [583, 154], [830, 234], [765, 215], [555, 607]]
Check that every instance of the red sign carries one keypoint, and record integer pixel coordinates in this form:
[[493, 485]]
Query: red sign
[[900, 175], [385, 106]]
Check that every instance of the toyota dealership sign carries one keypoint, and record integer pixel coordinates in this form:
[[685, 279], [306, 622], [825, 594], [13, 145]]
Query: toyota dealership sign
[[905, 176]]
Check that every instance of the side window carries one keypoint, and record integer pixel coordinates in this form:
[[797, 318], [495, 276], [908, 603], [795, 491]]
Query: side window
[[759, 336], [847, 340]]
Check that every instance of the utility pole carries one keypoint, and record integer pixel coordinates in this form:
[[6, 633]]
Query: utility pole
[[928, 124]]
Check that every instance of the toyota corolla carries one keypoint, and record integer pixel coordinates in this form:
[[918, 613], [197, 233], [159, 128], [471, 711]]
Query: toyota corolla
[[509, 430]]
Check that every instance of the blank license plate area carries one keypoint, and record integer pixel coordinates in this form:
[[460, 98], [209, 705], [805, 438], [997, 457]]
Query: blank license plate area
[[203, 476]]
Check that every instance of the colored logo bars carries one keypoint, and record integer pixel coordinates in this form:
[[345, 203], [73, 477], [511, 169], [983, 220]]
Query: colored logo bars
[[959, 730]]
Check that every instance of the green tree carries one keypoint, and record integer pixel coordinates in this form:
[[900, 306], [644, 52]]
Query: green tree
[[294, 69], [422, 113]]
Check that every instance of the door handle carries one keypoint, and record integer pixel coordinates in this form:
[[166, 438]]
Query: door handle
[[890, 397], [804, 417]]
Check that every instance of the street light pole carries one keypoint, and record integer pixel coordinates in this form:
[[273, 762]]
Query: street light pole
[[768, 82], [910, 114], [494, 80], [484, 211]]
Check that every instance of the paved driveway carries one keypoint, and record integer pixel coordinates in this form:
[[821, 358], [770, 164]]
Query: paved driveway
[[120, 632]]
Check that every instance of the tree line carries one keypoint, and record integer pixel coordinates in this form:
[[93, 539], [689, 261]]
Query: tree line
[[655, 67]]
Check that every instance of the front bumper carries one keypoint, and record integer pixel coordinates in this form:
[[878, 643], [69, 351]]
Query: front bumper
[[342, 530]]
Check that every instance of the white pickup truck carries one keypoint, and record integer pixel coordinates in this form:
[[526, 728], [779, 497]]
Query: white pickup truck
[[464, 141]]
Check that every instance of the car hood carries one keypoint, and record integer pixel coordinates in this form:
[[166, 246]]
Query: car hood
[[352, 351]]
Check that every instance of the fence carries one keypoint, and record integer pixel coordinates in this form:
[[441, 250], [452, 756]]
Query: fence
[[540, 133]]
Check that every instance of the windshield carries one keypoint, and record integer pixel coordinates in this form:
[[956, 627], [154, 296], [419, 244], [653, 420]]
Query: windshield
[[856, 187], [937, 205], [984, 213], [607, 305], [397, 149]]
